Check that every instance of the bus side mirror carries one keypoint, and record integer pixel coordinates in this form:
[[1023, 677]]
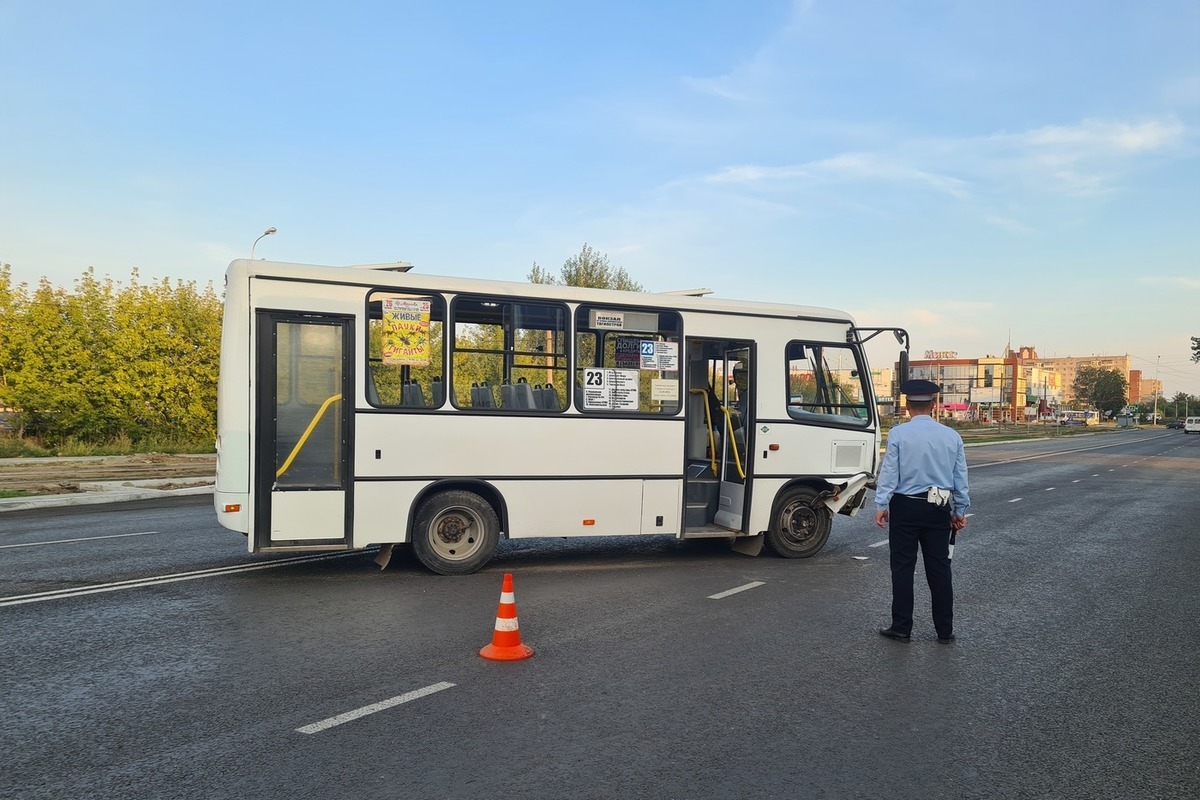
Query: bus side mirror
[[903, 376]]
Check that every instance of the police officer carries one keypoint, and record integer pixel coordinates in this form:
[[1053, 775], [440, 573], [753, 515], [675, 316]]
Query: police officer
[[921, 495]]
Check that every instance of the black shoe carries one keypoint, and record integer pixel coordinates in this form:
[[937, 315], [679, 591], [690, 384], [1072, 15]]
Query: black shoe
[[894, 634], [946, 639]]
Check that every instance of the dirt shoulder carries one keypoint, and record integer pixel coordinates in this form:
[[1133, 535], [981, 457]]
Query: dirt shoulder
[[64, 475]]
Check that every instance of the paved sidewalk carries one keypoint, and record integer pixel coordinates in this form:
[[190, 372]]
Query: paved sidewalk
[[112, 492]]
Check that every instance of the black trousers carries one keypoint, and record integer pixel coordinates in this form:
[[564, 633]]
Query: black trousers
[[913, 521]]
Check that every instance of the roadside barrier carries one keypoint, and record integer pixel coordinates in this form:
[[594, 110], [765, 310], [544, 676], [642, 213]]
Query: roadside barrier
[[506, 638]]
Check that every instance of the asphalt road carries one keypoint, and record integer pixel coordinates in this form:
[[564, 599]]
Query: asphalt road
[[1074, 674]]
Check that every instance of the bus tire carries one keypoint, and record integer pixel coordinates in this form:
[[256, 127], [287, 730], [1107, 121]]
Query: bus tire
[[455, 533], [799, 527]]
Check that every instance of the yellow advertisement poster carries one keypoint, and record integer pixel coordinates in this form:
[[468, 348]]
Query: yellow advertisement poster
[[405, 332]]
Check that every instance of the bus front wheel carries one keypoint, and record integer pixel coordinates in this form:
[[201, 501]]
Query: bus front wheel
[[455, 533], [799, 526]]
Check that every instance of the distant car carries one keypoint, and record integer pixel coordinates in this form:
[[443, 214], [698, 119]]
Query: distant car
[[1175, 423]]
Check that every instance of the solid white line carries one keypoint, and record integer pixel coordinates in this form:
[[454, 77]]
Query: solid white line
[[84, 539], [879, 544], [382, 705], [1015, 500], [56, 594], [727, 592]]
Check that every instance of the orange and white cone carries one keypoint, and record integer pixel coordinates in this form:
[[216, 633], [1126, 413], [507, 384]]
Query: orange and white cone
[[506, 639]]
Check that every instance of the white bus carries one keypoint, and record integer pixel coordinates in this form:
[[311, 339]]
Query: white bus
[[363, 406], [1071, 418]]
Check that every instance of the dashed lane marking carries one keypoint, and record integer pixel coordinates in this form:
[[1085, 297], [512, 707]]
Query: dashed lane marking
[[735, 590], [1049, 488], [382, 705], [82, 539], [1015, 500], [879, 544]]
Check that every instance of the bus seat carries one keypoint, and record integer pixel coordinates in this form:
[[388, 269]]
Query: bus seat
[[550, 399], [372, 390], [413, 395], [523, 394], [578, 397], [439, 392], [508, 396], [487, 398]]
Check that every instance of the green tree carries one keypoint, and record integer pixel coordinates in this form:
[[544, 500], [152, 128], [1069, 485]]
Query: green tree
[[587, 268], [1195, 348], [100, 363], [1102, 389]]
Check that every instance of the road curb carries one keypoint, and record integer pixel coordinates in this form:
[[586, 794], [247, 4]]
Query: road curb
[[98, 492]]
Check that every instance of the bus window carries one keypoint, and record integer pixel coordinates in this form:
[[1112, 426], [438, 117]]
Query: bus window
[[826, 384], [509, 355], [627, 360], [404, 349]]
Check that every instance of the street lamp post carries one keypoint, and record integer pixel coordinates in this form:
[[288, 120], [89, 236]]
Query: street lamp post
[[268, 232]]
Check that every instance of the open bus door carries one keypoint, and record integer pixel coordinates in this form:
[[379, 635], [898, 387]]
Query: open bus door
[[305, 379], [719, 426], [735, 429]]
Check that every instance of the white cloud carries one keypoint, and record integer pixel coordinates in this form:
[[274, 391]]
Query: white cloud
[[1008, 224], [841, 168], [1101, 137], [1185, 283]]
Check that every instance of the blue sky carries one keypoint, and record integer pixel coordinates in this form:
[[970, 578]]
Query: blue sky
[[978, 173]]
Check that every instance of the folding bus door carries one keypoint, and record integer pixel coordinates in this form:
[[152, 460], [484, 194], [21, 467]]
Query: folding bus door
[[737, 413], [305, 375]]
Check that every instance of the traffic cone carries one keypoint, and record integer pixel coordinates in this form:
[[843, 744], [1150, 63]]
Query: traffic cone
[[506, 639]]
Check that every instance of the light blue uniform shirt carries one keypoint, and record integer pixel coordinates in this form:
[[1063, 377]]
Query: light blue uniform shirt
[[922, 453]]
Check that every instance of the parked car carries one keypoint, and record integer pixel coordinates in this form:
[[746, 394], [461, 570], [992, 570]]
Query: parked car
[[1175, 423]]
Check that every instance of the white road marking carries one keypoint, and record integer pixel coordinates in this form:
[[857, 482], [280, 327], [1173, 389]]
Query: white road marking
[[1049, 488], [57, 594], [879, 544], [84, 539], [970, 514], [1075, 481], [860, 558], [1114, 469], [382, 705], [727, 592], [1015, 500], [1096, 475]]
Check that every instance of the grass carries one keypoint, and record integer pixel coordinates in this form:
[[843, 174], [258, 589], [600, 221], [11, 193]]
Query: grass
[[7, 493], [30, 447]]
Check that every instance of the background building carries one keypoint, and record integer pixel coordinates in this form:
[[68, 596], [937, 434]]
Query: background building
[[1069, 366]]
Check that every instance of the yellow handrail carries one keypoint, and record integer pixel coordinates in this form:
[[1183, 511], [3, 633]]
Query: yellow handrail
[[737, 459], [307, 432], [712, 441]]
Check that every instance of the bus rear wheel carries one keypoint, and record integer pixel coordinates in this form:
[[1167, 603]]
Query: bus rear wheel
[[799, 526], [455, 533]]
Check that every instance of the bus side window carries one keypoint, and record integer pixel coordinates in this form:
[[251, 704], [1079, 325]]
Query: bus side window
[[404, 348], [510, 345]]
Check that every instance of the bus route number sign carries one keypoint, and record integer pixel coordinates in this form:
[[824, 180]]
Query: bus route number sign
[[610, 389]]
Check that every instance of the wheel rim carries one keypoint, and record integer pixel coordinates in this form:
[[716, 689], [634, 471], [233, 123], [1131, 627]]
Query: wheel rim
[[799, 522], [456, 534]]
